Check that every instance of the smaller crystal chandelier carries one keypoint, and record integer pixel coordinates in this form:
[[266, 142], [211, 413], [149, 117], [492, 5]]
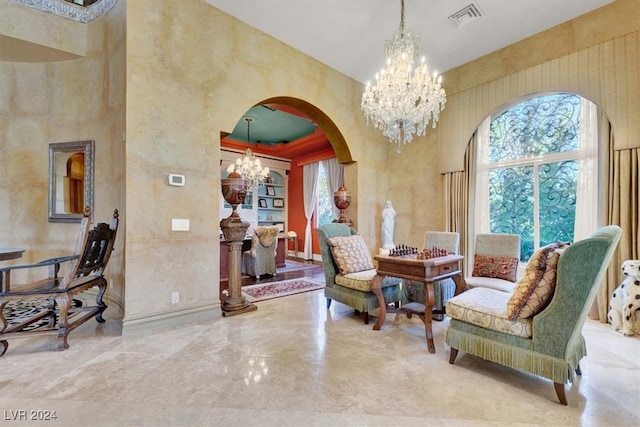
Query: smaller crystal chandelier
[[403, 100], [249, 166]]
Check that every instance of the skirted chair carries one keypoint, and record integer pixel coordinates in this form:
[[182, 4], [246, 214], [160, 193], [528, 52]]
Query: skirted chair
[[442, 289], [348, 270], [495, 262], [538, 328], [261, 258]]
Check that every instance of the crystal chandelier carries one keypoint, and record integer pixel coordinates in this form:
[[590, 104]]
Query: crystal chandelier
[[403, 101], [249, 166]]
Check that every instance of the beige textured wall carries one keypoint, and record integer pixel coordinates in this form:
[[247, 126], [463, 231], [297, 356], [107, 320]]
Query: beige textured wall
[[58, 102], [192, 72], [415, 188], [595, 55]]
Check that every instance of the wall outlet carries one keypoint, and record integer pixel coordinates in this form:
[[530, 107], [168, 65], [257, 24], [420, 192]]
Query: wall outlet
[[175, 297]]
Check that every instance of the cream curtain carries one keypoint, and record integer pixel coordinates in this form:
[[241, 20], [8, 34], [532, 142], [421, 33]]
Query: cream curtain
[[587, 194], [459, 188], [469, 229], [310, 191], [623, 206], [335, 178]]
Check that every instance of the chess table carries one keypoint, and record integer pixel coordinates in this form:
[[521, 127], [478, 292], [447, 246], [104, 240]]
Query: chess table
[[426, 271]]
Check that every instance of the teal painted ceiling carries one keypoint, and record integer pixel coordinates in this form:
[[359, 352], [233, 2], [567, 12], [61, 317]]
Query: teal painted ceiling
[[271, 126]]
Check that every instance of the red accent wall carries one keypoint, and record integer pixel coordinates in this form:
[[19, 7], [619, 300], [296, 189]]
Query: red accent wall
[[297, 220]]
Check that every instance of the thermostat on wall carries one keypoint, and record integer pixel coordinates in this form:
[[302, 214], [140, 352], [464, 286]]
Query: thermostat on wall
[[177, 180]]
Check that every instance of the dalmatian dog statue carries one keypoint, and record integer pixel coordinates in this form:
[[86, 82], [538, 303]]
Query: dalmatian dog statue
[[624, 308]]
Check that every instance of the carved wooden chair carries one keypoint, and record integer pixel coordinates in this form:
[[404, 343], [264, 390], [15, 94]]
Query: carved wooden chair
[[85, 269]]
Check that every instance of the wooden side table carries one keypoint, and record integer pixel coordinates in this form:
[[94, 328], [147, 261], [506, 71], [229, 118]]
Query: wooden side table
[[293, 236], [426, 271], [10, 253]]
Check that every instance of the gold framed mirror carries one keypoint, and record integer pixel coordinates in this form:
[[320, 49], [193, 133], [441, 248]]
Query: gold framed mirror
[[71, 167]]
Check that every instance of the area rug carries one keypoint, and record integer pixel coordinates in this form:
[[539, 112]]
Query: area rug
[[18, 311], [295, 266], [265, 291]]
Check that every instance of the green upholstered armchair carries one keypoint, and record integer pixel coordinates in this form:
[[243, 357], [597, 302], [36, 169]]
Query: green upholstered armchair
[[550, 343], [355, 289]]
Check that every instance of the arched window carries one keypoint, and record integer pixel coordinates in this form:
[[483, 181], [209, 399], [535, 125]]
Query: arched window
[[537, 171]]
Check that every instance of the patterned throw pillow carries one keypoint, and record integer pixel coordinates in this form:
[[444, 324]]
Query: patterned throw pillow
[[535, 288], [350, 253], [500, 267]]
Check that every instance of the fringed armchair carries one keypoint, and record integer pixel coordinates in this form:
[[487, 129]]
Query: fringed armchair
[[538, 328]]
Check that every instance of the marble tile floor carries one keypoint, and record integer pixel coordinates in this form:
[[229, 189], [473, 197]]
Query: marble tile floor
[[293, 363]]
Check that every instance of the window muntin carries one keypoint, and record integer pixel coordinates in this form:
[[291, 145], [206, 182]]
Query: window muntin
[[539, 126]]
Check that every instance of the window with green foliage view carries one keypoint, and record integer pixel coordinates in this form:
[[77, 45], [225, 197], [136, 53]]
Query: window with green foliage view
[[528, 171]]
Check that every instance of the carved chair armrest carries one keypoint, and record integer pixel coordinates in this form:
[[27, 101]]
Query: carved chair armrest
[[57, 260], [52, 263]]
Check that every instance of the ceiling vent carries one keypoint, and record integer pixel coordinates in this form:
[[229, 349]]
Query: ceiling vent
[[465, 15]]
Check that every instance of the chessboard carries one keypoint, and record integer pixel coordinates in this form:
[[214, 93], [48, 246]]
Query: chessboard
[[404, 250]]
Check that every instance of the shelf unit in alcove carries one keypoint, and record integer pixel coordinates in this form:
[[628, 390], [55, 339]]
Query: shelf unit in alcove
[[272, 201], [251, 210]]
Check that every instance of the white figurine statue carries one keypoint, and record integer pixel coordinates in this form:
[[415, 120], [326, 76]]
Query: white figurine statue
[[388, 222]]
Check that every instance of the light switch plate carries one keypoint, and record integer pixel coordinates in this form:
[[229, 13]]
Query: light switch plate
[[178, 224]]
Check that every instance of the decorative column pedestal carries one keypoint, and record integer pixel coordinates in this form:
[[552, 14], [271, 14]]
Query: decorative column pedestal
[[234, 191], [234, 230]]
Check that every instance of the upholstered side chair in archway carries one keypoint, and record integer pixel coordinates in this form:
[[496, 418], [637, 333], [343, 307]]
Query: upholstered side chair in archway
[[261, 258], [348, 280]]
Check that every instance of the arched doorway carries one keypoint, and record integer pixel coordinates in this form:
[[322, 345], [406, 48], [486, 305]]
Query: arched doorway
[[75, 183], [324, 122], [324, 138]]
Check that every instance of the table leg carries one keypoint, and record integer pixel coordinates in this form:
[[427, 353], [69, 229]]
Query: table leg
[[376, 287], [428, 314], [461, 285]]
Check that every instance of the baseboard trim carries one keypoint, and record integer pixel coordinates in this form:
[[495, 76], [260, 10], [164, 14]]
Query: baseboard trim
[[112, 303], [314, 257], [170, 318]]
